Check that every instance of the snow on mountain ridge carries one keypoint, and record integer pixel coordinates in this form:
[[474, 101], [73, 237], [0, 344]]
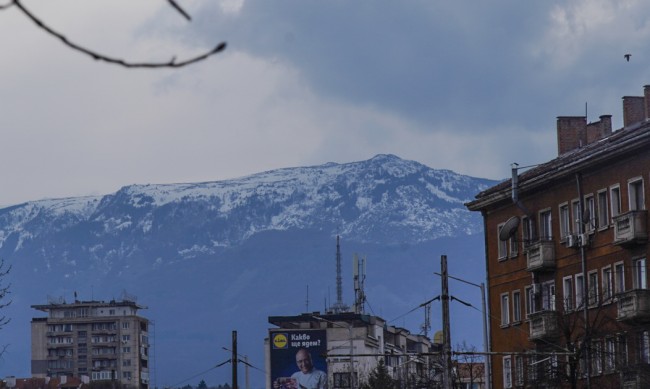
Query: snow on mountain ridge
[[366, 199]]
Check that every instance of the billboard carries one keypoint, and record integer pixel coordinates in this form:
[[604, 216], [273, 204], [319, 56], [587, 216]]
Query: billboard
[[298, 359]]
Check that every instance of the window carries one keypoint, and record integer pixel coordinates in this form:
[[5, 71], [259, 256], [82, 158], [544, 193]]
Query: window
[[590, 213], [635, 189], [565, 222], [619, 278], [593, 287], [126, 338], [527, 231], [532, 368], [519, 370], [507, 372], [125, 325], [545, 229], [126, 374], [567, 283], [530, 301], [575, 208], [644, 347], [621, 352], [514, 246], [516, 306], [603, 209], [505, 309], [506, 247], [580, 284], [548, 296], [503, 245], [640, 279], [596, 357], [341, 380], [610, 354], [126, 350], [615, 198], [608, 287], [126, 362]]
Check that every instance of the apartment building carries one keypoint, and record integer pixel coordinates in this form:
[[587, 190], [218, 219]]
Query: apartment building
[[100, 340], [333, 340], [566, 259]]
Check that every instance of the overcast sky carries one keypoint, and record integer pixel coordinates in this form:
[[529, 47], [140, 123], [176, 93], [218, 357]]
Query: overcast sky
[[463, 85]]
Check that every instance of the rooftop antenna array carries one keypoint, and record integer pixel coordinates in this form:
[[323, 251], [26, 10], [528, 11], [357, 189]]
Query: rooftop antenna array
[[359, 268], [339, 306], [426, 327], [128, 297], [55, 300]]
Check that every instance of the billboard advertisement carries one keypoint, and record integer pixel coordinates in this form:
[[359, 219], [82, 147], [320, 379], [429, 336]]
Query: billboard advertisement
[[298, 359]]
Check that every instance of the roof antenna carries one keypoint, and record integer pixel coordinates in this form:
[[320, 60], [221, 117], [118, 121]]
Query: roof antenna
[[339, 306]]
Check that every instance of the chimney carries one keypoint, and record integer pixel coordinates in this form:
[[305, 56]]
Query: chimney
[[571, 133], [634, 109], [646, 105], [600, 129]]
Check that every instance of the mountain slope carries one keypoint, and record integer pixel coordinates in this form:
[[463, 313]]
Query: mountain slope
[[209, 258], [384, 199]]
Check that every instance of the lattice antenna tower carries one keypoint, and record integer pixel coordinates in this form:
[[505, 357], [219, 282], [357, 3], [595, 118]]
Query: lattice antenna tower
[[359, 268], [339, 306], [426, 327]]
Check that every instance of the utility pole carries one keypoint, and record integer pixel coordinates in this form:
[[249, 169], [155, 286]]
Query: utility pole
[[446, 332], [234, 360]]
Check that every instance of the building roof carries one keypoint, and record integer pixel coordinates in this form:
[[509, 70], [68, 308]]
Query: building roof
[[88, 304], [317, 317], [618, 145]]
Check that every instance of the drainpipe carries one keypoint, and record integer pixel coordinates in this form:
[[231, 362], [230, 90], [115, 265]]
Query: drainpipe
[[585, 280]]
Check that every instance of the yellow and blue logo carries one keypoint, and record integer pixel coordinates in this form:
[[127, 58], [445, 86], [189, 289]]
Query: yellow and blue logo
[[280, 340]]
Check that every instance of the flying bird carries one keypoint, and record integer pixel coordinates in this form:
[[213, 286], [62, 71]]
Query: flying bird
[[627, 57]]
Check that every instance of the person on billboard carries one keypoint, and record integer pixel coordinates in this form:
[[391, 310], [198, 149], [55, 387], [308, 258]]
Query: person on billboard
[[307, 378]]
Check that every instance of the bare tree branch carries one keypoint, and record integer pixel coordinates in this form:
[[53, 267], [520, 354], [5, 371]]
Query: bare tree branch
[[100, 57], [180, 10]]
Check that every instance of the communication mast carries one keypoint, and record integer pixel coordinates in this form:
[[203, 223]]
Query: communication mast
[[426, 327], [339, 306], [359, 268]]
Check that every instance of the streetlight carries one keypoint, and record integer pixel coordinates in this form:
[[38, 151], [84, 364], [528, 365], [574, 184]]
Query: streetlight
[[488, 361], [349, 327]]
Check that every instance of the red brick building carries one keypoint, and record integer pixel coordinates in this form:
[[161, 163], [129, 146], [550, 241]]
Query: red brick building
[[566, 251]]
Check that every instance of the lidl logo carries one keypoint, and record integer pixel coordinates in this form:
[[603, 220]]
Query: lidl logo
[[280, 340]]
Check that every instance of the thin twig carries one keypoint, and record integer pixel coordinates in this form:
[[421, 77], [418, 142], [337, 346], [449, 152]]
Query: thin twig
[[100, 57], [180, 10]]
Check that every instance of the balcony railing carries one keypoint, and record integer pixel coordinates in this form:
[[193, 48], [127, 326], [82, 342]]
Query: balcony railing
[[631, 228], [543, 325], [540, 256], [635, 376], [634, 306]]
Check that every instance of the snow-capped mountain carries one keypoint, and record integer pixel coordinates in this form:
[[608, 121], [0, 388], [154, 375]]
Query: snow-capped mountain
[[385, 199], [207, 258]]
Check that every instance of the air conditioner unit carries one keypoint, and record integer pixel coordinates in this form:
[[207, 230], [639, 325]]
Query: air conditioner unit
[[572, 241]]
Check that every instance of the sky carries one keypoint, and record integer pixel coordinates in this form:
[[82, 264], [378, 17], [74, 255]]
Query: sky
[[466, 86]]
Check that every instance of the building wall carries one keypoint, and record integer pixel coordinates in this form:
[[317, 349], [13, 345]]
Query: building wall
[[99, 340], [509, 274]]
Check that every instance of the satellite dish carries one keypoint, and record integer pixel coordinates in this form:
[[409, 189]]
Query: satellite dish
[[509, 229]]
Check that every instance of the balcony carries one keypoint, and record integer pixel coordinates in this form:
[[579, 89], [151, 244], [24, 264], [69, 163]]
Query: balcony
[[634, 306], [540, 256], [543, 325], [635, 376], [631, 228]]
